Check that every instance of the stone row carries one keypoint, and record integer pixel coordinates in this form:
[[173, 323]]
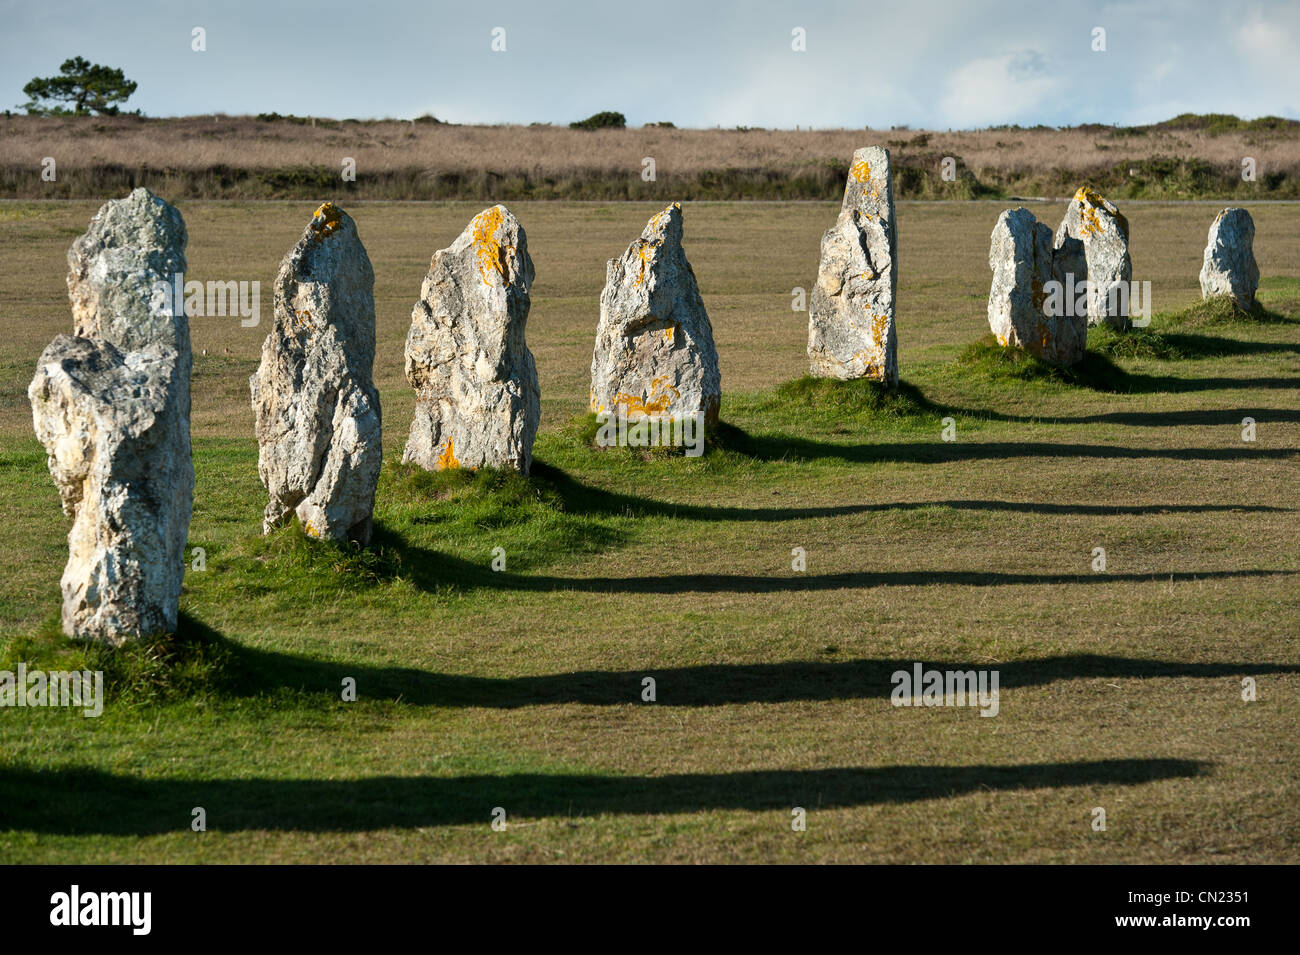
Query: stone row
[[111, 403], [1048, 291]]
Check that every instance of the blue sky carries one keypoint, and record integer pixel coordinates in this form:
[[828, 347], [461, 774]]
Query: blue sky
[[940, 65]]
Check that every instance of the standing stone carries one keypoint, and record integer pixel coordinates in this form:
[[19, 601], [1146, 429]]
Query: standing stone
[[314, 401], [1229, 267], [111, 405], [477, 401], [851, 316], [654, 352], [1021, 310], [1094, 221]]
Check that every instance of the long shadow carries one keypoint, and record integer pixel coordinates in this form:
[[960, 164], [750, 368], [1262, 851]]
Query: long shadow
[[1143, 384], [778, 447], [1195, 417], [433, 571], [582, 498], [252, 672], [89, 801], [1098, 372], [1193, 345]]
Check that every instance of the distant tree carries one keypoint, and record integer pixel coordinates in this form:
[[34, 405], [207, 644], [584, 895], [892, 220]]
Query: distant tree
[[605, 120], [84, 86]]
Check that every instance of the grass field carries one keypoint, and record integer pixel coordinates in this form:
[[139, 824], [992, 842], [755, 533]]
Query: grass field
[[522, 689]]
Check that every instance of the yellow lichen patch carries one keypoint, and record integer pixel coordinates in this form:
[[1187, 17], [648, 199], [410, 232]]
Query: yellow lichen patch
[[1089, 195], [1002, 340], [661, 397], [670, 332], [861, 171], [310, 529], [326, 221], [491, 254], [301, 318], [658, 216], [447, 459], [1090, 200], [870, 367], [645, 254], [879, 324], [1089, 223]]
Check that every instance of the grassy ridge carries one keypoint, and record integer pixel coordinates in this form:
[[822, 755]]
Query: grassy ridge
[[271, 157]]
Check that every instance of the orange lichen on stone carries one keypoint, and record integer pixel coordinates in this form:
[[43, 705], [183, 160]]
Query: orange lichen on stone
[[447, 459], [879, 323], [326, 220], [871, 368], [1089, 222], [301, 318], [491, 254], [861, 171], [661, 397], [646, 254], [658, 216]]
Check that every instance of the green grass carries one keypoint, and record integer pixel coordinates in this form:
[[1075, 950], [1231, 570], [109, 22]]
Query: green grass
[[522, 687], [1006, 364]]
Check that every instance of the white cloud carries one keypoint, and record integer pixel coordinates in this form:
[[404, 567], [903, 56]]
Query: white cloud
[[997, 89], [1270, 49]]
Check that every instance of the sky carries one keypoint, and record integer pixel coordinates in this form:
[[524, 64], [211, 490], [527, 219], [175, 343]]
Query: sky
[[946, 64]]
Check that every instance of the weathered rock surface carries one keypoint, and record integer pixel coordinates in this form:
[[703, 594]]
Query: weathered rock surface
[[111, 405], [1229, 267], [1103, 231], [314, 400], [851, 316], [477, 400], [1023, 263], [654, 353]]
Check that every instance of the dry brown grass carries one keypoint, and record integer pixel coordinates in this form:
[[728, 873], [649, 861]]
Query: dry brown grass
[[232, 157]]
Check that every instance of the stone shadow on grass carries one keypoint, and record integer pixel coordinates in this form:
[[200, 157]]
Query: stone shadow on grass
[[581, 498], [1172, 419], [434, 571], [784, 447], [249, 671], [82, 801]]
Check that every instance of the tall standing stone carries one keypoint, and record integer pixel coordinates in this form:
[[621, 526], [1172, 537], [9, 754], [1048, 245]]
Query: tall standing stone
[[1021, 310], [315, 405], [1094, 221], [477, 400], [1229, 267], [111, 405], [851, 316], [654, 352]]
